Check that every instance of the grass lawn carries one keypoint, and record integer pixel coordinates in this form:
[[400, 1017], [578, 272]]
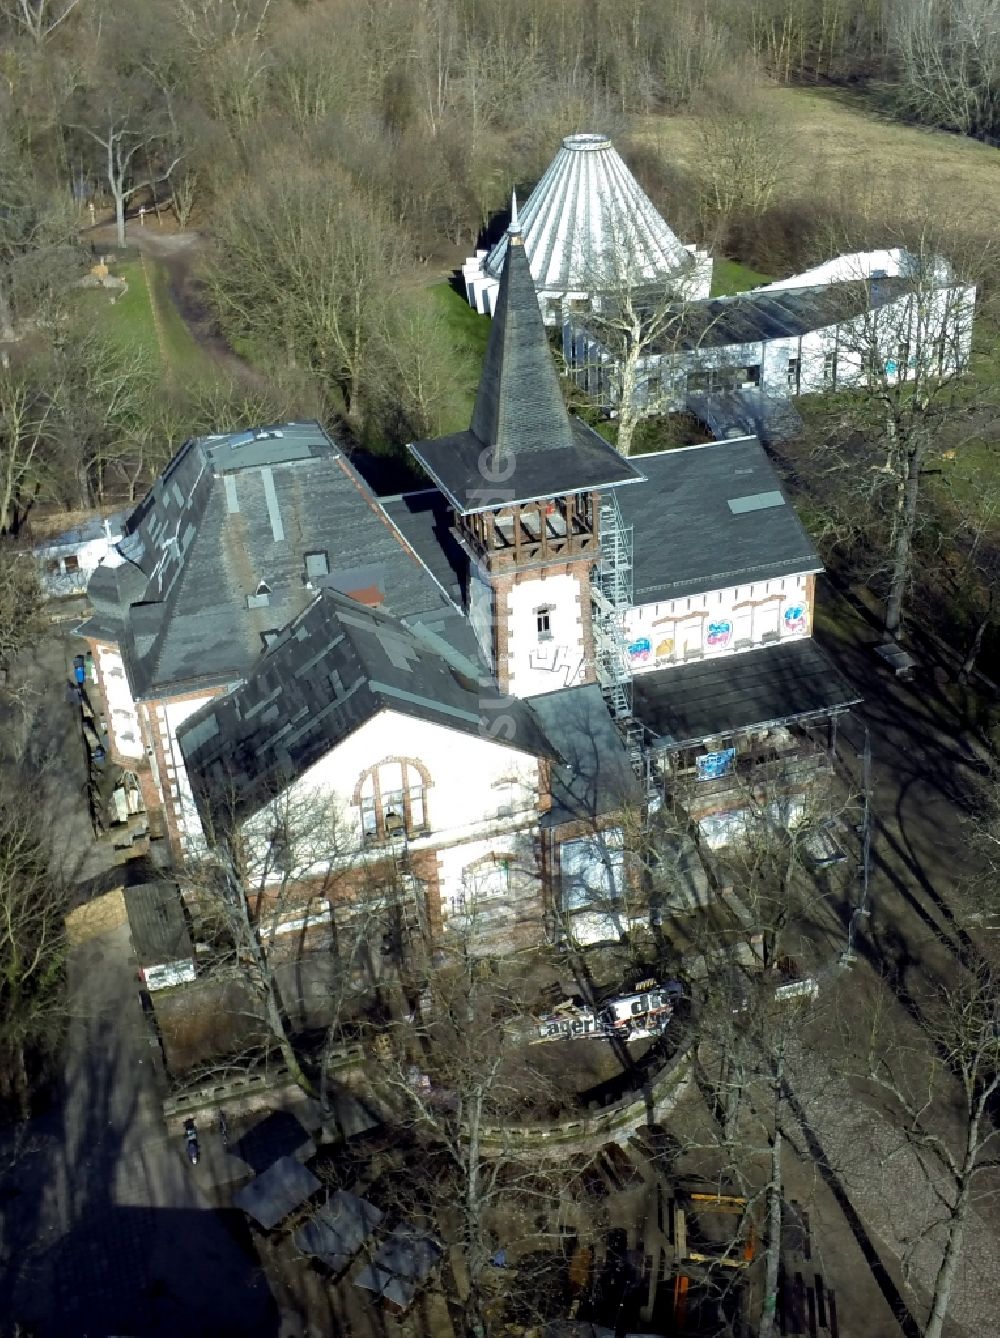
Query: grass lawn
[[187, 357], [729, 276], [470, 331], [834, 145], [130, 320]]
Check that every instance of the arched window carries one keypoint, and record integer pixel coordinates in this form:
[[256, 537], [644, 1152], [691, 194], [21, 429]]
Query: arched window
[[392, 800]]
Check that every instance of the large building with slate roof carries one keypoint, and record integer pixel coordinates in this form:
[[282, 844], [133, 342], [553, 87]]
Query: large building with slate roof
[[454, 678]]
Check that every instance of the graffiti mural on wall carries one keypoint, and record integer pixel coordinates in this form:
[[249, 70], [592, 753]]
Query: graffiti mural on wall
[[719, 633], [795, 618], [665, 649], [640, 650]]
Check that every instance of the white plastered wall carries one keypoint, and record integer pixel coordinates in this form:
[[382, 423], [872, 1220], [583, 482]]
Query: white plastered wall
[[537, 664], [719, 622], [472, 897], [481, 794]]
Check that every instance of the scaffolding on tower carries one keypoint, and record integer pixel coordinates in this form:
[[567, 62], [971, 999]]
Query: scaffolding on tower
[[612, 597]]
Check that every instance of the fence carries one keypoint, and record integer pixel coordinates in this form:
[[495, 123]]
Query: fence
[[255, 1089], [586, 1132]]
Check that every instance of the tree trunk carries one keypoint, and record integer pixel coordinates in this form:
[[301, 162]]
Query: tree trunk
[[972, 654], [945, 1280], [280, 1032], [769, 1313], [903, 555], [627, 411], [119, 218], [6, 319], [474, 1321]]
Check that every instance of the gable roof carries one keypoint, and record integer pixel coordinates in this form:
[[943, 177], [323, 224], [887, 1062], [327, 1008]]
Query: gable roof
[[335, 667], [586, 213], [231, 542], [708, 517], [156, 923], [522, 444]]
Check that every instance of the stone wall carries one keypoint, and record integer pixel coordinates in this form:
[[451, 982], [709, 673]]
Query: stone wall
[[588, 1131]]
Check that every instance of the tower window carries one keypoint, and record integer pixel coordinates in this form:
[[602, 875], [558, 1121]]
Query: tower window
[[543, 622]]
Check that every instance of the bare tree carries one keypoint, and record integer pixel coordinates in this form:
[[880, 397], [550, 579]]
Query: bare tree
[[289, 886], [101, 405], [948, 57], [22, 605], [423, 384], [746, 1039], [33, 906], [742, 161], [454, 1074], [903, 362], [766, 862], [301, 269], [977, 566], [128, 145], [39, 18], [941, 1084], [26, 426], [39, 254]]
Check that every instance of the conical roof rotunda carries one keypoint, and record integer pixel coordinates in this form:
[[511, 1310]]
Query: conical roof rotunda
[[588, 227]]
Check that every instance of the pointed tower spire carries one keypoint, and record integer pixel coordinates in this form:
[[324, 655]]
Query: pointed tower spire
[[519, 404], [522, 445], [514, 225]]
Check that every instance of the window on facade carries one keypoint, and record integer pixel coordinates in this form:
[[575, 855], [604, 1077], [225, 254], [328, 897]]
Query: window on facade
[[830, 369], [793, 375], [487, 881], [280, 855], [752, 375], [592, 871], [391, 801], [543, 622], [72, 562], [269, 637]]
